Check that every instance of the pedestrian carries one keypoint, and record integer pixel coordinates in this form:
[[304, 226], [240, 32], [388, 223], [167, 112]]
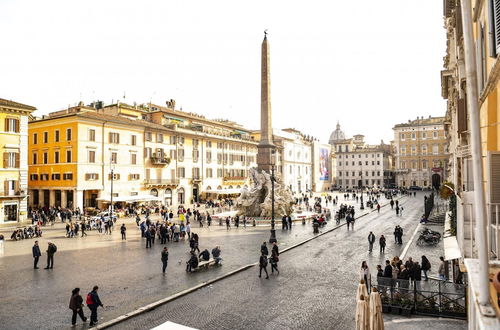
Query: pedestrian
[[396, 233], [263, 249], [397, 210], [93, 302], [51, 249], [228, 223], [148, 238], [76, 305], [263, 264], [381, 241], [442, 269], [123, 231], [36, 254], [216, 255], [274, 258], [401, 211], [378, 207], [84, 227], [364, 274], [164, 259], [1, 245], [426, 267], [192, 263], [392, 204], [417, 275], [188, 229], [284, 223], [371, 240]]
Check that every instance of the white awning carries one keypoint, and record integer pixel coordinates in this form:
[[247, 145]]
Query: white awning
[[224, 191], [451, 249], [129, 199]]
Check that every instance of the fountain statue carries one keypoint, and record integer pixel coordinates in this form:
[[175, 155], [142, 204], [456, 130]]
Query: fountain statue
[[256, 201]]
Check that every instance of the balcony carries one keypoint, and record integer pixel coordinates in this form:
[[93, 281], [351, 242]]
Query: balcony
[[161, 182], [160, 160]]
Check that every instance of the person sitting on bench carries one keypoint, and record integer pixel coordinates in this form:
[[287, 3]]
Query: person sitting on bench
[[192, 263], [204, 255], [216, 254]]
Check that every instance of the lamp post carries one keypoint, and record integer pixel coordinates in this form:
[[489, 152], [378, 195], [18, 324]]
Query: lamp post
[[272, 239], [111, 199]]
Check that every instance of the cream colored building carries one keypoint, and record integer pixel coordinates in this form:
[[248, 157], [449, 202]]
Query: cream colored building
[[14, 170], [421, 152]]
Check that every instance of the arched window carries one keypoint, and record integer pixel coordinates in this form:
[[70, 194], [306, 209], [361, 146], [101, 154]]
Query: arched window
[[181, 196], [154, 192]]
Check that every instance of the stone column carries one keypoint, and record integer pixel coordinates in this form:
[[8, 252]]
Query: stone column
[[40, 197], [64, 199], [52, 197], [78, 199]]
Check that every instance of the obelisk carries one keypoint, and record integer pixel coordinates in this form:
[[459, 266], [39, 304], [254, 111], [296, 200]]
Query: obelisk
[[265, 157]]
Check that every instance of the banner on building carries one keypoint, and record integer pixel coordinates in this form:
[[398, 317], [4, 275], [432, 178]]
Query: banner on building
[[324, 175]]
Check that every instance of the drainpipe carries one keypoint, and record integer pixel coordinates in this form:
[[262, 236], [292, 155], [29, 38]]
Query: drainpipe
[[477, 167]]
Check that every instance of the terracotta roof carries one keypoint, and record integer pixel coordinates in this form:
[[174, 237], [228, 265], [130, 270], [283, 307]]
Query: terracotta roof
[[10, 103]]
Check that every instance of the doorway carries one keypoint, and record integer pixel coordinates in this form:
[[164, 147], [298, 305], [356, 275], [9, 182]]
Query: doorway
[[195, 193], [436, 181], [10, 212]]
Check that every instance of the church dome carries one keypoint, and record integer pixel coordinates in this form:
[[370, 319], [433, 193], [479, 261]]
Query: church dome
[[337, 135]]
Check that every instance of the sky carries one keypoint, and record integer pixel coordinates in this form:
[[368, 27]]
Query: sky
[[366, 64]]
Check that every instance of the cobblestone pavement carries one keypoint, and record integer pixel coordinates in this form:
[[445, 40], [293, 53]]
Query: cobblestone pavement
[[129, 276], [315, 289]]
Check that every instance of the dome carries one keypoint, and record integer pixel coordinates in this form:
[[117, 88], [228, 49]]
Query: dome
[[337, 135]]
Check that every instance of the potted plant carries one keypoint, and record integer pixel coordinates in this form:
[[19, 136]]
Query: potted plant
[[386, 307]]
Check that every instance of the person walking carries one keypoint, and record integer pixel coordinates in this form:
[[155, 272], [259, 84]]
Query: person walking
[[51, 249], [378, 208], [263, 249], [164, 259], [228, 223], [123, 231], [188, 229], [36, 254], [426, 266], [263, 264], [93, 302], [274, 258], [381, 241], [364, 274], [76, 305], [371, 240], [148, 238], [289, 219], [442, 269], [392, 204], [84, 228]]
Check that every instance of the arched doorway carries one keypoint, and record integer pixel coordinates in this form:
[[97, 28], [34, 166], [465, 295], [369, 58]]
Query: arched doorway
[[436, 181], [168, 197], [195, 193], [154, 192], [181, 196]]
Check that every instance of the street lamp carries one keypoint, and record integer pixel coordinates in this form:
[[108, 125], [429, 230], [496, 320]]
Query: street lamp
[[111, 199], [272, 239]]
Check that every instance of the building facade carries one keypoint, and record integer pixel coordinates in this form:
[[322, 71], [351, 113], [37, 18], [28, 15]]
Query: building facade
[[358, 164], [14, 171], [421, 152], [146, 152]]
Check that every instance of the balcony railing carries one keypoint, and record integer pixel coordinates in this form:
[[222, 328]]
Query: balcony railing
[[234, 178], [161, 182], [160, 160]]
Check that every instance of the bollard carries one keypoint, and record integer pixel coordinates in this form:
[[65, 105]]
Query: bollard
[[303, 221], [254, 223]]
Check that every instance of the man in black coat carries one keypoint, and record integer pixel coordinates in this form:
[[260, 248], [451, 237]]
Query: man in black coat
[[164, 258], [387, 273], [36, 254], [148, 238], [50, 255], [96, 302], [284, 223], [371, 240], [264, 250], [289, 219]]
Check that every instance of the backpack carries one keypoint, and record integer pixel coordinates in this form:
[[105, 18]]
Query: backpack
[[89, 300], [55, 248]]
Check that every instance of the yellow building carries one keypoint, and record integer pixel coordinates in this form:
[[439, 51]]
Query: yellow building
[[13, 173], [421, 152]]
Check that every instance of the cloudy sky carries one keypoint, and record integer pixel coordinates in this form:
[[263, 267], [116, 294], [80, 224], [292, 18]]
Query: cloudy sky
[[367, 64]]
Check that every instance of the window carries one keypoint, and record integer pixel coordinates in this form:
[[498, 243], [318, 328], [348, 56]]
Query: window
[[68, 176], [180, 154], [402, 136], [209, 156], [68, 134], [340, 163], [45, 137], [91, 156], [56, 157], [114, 157], [35, 158], [424, 166], [116, 176], [91, 134], [413, 164], [435, 134], [209, 172], [182, 172], [173, 154], [35, 138], [403, 150], [45, 158], [378, 162], [378, 173], [11, 160], [413, 149], [403, 165], [424, 149], [209, 144], [435, 149], [133, 159], [114, 138], [413, 136], [195, 143], [340, 173], [134, 177], [346, 173], [68, 156], [353, 163], [56, 135], [159, 138], [34, 177], [44, 177], [373, 162], [373, 173], [360, 163], [56, 176], [12, 125], [366, 162], [173, 139], [196, 172], [424, 135], [91, 176], [219, 172], [133, 140]]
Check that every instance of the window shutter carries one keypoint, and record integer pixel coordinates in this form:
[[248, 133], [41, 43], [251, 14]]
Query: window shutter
[[462, 115], [7, 128], [496, 27], [5, 159], [109, 139], [109, 176], [6, 187], [17, 160], [16, 186], [117, 176], [494, 177], [87, 176], [17, 125]]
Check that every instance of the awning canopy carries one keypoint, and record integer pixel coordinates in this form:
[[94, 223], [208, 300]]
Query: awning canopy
[[130, 199], [451, 249], [224, 191]]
